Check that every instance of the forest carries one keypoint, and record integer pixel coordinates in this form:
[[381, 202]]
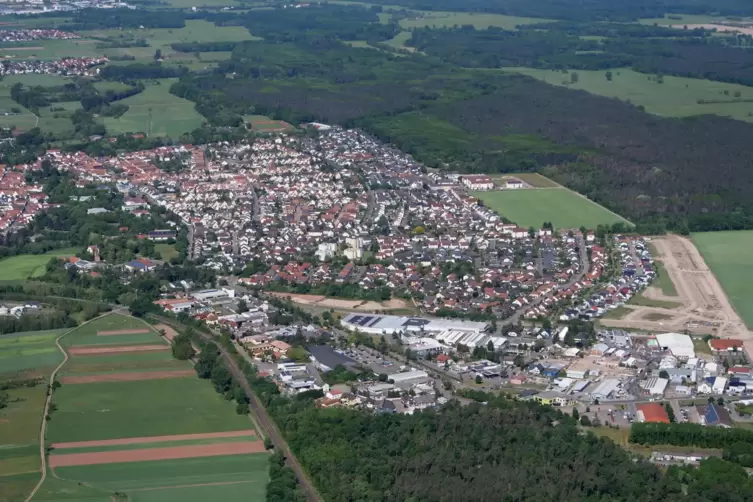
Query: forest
[[504, 450]]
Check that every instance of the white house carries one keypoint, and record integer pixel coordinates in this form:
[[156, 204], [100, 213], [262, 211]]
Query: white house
[[478, 182]]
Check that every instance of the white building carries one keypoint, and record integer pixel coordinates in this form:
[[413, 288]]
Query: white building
[[680, 345], [655, 386], [513, 184], [478, 182], [326, 250], [409, 376]]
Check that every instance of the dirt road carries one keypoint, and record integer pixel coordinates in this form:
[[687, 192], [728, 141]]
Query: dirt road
[[705, 307]]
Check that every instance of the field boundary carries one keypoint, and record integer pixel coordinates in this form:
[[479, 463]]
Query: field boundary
[[48, 401], [136, 376], [98, 350], [153, 439]]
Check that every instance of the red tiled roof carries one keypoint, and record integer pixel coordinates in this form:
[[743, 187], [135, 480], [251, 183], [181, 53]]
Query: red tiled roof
[[726, 344]]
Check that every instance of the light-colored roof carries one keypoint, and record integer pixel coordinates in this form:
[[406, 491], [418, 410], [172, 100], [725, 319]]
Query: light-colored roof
[[679, 344]]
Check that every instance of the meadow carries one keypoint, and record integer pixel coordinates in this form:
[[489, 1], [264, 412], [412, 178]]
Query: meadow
[[438, 19], [170, 115], [675, 97], [239, 477], [29, 351], [166, 251], [560, 206], [115, 410], [19, 441], [87, 333], [29, 265], [728, 256]]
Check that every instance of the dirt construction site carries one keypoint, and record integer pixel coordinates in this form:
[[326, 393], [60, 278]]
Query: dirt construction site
[[704, 307]]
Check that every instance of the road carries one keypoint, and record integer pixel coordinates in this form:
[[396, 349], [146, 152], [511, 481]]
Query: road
[[515, 318], [261, 417]]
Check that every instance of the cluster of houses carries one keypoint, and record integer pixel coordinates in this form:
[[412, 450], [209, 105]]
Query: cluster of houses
[[36, 34], [20, 200], [66, 67]]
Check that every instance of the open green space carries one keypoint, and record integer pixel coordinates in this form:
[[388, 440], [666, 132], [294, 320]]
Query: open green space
[[19, 433], [115, 410], [131, 339], [105, 86], [663, 281], [701, 346], [672, 19], [728, 255], [28, 352], [161, 444], [122, 363], [166, 251], [29, 265], [157, 112], [675, 97], [83, 335], [159, 480], [479, 21], [562, 207], [59, 490], [17, 488]]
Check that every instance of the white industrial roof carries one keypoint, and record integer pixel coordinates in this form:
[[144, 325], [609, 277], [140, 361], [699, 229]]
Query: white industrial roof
[[679, 344], [605, 388], [408, 375]]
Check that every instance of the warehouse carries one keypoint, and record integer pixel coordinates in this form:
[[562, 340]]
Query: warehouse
[[680, 345], [388, 324], [413, 376], [655, 386], [605, 389]]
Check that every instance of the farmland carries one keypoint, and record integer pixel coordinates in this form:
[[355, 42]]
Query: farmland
[[261, 123], [675, 97], [560, 206], [29, 265], [29, 352], [728, 256], [143, 424], [170, 115], [477, 20]]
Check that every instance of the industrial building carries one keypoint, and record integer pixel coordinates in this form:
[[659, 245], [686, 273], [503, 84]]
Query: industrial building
[[652, 412], [655, 386], [680, 345], [388, 324], [213, 294], [409, 377], [605, 389]]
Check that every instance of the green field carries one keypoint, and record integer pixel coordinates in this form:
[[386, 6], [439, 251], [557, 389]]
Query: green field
[[87, 334], [663, 281], [691, 19], [243, 478], [728, 256], [562, 207], [166, 251], [477, 20], [676, 97], [114, 410], [28, 352], [171, 115], [29, 265], [19, 432]]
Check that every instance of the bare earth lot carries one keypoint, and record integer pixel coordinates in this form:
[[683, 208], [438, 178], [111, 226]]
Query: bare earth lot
[[153, 439], [169, 453], [323, 301], [705, 309], [113, 332], [127, 377], [86, 351]]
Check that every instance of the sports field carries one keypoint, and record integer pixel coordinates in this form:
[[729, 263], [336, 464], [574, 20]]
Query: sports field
[[675, 97], [728, 256], [170, 115], [262, 123], [560, 206], [29, 265]]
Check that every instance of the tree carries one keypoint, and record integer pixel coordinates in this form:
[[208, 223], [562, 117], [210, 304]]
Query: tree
[[242, 306], [608, 75], [298, 354], [490, 347], [670, 412], [663, 374], [574, 78], [576, 413], [158, 54], [585, 421], [479, 379]]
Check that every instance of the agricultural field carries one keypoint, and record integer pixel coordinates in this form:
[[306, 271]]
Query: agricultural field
[[170, 115], [261, 123], [29, 265], [675, 97], [535, 180], [682, 19], [560, 206], [477, 20], [728, 256], [143, 424], [32, 352]]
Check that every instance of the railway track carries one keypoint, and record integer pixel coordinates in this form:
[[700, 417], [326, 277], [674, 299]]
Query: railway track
[[261, 416]]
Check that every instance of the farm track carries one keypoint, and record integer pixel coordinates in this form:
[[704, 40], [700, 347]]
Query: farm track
[[48, 401], [262, 418]]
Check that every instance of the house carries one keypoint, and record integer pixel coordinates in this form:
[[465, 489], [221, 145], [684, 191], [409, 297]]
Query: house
[[478, 182], [652, 412], [726, 345], [140, 265], [552, 398], [513, 184]]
